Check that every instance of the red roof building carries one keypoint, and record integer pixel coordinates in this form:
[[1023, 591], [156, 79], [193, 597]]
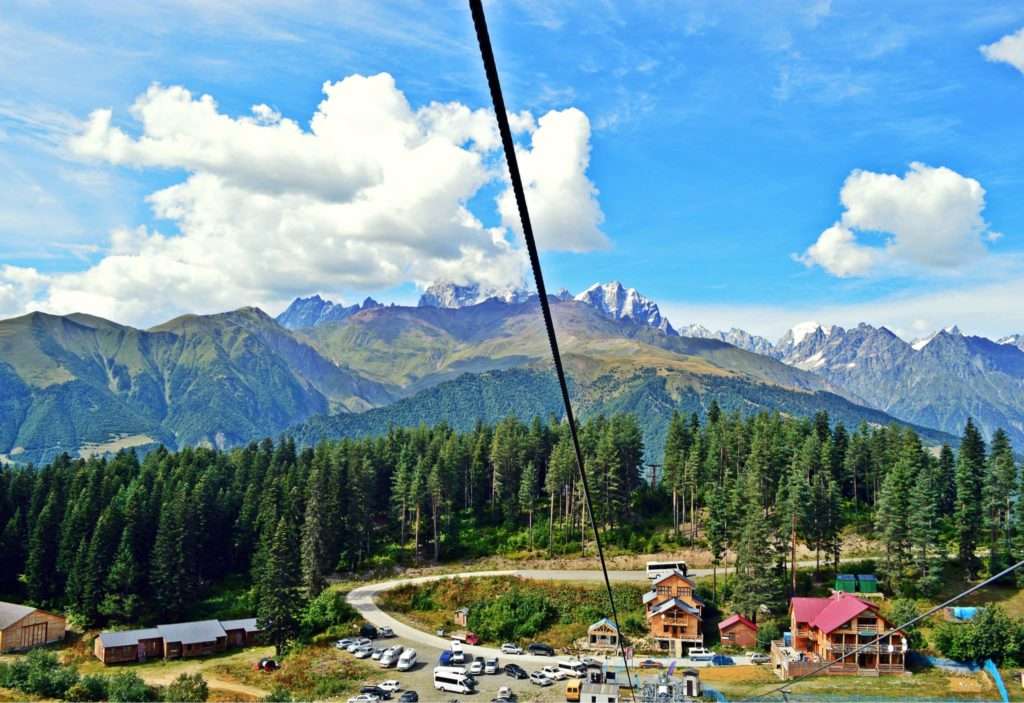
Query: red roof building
[[737, 631], [824, 629]]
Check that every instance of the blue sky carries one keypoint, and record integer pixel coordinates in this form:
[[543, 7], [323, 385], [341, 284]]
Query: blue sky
[[720, 138]]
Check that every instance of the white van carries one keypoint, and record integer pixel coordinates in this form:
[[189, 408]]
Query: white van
[[390, 657], [571, 668], [453, 679], [407, 660]]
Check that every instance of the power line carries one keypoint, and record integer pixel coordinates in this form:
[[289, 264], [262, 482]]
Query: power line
[[784, 687], [491, 69]]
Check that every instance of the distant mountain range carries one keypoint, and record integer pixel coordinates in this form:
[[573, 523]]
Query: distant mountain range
[[81, 384]]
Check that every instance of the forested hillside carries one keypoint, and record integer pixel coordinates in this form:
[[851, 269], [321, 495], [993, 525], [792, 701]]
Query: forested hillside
[[124, 540]]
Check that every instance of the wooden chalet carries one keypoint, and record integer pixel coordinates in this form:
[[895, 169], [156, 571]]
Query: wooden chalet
[[674, 613], [603, 636], [824, 629], [187, 639], [737, 631], [24, 627]]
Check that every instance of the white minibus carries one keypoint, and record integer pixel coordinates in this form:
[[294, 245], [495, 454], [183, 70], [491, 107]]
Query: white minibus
[[453, 679]]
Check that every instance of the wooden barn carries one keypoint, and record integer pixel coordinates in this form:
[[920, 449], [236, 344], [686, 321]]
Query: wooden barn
[[129, 646], [241, 633], [184, 639], [737, 631], [24, 627]]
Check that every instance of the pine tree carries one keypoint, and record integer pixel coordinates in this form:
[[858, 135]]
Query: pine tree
[[314, 548], [923, 521], [970, 470], [892, 516], [528, 496], [997, 498], [280, 600], [677, 441], [42, 581], [756, 585], [716, 530]]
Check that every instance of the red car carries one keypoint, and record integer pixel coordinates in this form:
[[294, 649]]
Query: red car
[[651, 664]]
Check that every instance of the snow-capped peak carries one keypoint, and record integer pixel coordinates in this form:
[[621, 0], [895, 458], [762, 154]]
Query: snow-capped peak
[[921, 343], [445, 294], [619, 302]]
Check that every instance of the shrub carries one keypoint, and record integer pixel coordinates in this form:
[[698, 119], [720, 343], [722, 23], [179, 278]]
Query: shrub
[[279, 694], [39, 673], [511, 616], [89, 688], [189, 688], [902, 610], [127, 687], [326, 610], [990, 635], [766, 632]]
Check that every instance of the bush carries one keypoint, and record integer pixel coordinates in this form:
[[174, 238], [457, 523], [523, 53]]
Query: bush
[[902, 610], [279, 694], [89, 688], [39, 673], [188, 688], [325, 611], [127, 687], [511, 616], [766, 632], [990, 635]]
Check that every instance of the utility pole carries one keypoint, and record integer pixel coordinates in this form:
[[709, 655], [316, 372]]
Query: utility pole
[[654, 473]]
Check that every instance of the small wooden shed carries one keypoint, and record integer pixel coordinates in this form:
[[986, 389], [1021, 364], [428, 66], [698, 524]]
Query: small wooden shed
[[737, 631], [24, 627], [461, 617]]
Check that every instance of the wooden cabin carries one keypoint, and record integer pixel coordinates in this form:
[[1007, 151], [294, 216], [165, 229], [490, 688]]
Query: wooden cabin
[[24, 627], [737, 631], [824, 629], [674, 613], [187, 639], [603, 636], [461, 617]]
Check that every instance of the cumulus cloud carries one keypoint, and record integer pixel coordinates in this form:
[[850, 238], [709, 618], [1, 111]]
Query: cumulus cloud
[[373, 194], [18, 285], [930, 218], [1009, 49], [562, 201]]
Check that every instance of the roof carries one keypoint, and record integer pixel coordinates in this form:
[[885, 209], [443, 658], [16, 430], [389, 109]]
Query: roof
[[11, 613], [845, 577], [675, 603], [866, 577], [601, 689], [463, 609], [734, 619], [670, 574], [806, 609], [192, 632], [247, 624], [128, 638], [838, 611], [604, 622], [649, 596]]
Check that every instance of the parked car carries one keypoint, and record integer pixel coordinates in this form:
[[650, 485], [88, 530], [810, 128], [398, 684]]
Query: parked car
[[515, 671], [407, 661], [390, 657], [509, 648], [506, 692], [554, 673], [491, 666], [364, 698], [364, 652], [377, 652], [361, 642], [758, 657], [475, 668], [409, 697], [458, 658], [376, 691], [385, 631], [445, 659], [368, 631], [699, 654], [722, 660], [391, 686], [469, 638], [539, 678], [344, 643], [541, 649], [651, 664], [267, 664]]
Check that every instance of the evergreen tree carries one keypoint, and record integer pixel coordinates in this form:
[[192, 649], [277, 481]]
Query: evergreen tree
[[970, 470], [280, 599], [998, 492], [314, 547], [756, 584], [528, 496]]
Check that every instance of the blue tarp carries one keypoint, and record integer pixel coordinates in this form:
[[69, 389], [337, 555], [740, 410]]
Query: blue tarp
[[993, 671], [965, 613]]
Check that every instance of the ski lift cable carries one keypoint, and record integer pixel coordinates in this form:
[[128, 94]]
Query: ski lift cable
[[783, 689], [491, 69]]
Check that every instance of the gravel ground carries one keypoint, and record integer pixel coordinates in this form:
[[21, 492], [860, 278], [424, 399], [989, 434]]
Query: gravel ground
[[421, 679]]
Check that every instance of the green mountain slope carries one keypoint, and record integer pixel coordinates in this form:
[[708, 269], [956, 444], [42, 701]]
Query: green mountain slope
[[80, 384], [528, 392]]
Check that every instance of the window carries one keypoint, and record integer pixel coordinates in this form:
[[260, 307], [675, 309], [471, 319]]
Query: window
[[593, 639]]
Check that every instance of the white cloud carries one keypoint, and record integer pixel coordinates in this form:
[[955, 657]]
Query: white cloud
[[18, 285], [372, 195], [931, 218], [562, 201], [1009, 49]]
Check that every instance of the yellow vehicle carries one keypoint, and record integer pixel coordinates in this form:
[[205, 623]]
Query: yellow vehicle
[[572, 690]]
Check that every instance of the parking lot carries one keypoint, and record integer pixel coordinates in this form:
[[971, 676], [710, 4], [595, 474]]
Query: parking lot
[[421, 678]]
